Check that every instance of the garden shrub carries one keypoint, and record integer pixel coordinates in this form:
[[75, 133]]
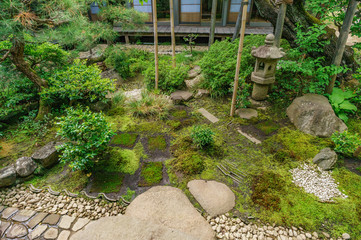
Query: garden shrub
[[117, 58], [346, 143], [340, 101], [202, 136], [219, 64], [170, 79], [122, 160], [78, 82], [87, 135]]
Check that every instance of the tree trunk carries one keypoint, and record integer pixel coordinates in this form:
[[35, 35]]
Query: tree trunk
[[172, 31], [296, 13], [213, 22], [17, 57], [155, 27]]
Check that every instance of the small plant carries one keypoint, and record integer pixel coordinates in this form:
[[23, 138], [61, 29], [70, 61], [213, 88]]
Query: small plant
[[346, 143], [87, 135], [340, 103], [190, 39], [202, 136], [129, 195]]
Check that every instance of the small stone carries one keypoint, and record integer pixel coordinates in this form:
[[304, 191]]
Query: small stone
[[247, 113], [346, 236], [326, 235], [51, 233]]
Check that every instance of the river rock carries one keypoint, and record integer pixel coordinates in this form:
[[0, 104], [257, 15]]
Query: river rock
[[169, 207], [194, 72], [47, 155], [180, 96], [7, 176], [313, 114], [194, 82], [325, 159], [215, 197], [25, 166]]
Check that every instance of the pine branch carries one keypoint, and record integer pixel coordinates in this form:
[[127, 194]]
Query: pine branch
[[5, 55]]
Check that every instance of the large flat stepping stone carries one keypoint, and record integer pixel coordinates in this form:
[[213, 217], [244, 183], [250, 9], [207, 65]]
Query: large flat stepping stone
[[129, 228], [249, 137], [52, 219], [23, 215], [8, 212], [179, 96], [36, 220], [38, 231], [169, 206], [208, 115], [17, 231], [247, 113], [215, 197]]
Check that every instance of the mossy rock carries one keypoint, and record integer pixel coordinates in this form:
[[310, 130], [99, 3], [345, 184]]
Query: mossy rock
[[151, 174], [157, 143], [125, 139], [119, 160], [106, 182]]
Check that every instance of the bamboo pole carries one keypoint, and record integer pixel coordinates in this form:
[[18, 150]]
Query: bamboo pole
[[238, 23], [155, 27], [239, 57], [280, 24], [172, 31], [213, 22]]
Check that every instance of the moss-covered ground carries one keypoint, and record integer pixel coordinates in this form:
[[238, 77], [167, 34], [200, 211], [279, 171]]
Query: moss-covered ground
[[151, 174], [157, 143], [125, 139]]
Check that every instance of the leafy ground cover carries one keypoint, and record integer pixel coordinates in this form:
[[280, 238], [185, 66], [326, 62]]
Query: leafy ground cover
[[151, 174]]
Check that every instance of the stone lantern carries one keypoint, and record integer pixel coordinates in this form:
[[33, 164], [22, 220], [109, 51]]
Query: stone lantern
[[265, 69]]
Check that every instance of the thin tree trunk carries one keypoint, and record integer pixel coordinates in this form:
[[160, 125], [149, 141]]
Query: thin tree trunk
[[17, 57], [341, 43], [172, 31], [213, 22], [239, 57], [279, 25], [155, 26], [238, 23]]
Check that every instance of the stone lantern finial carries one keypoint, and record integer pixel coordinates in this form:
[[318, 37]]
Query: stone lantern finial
[[270, 39]]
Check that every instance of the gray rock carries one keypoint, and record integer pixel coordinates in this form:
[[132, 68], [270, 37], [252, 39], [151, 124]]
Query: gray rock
[[101, 106], [247, 113], [201, 93], [179, 96], [17, 231], [112, 74], [194, 72], [325, 159], [25, 166], [346, 236], [313, 114], [169, 207], [216, 198], [47, 155], [7, 176], [194, 82]]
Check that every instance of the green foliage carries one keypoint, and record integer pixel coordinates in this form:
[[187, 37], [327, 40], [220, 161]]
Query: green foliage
[[346, 143], [244, 91], [341, 104], [129, 195], [157, 143], [128, 17], [189, 164], [122, 160], [125, 139], [191, 40], [87, 135], [78, 82], [152, 173], [117, 58], [170, 79], [30, 127], [219, 64], [202, 136]]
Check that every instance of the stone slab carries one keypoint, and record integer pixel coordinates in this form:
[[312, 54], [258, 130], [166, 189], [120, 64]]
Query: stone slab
[[247, 113], [64, 235], [66, 221], [23, 215], [38, 231], [1, 208], [8, 212], [249, 137], [51, 233], [17, 231], [80, 223], [36, 219], [208, 115], [52, 219], [3, 226]]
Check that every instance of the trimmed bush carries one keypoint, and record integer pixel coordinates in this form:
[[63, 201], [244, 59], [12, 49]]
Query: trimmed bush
[[202, 136]]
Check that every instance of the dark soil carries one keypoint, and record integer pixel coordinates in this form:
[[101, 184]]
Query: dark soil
[[352, 164]]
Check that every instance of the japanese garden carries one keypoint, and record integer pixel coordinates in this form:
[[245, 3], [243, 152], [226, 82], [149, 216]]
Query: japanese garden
[[180, 119]]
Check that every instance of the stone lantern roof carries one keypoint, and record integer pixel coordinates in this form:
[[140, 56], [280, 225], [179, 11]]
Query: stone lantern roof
[[268, 51]]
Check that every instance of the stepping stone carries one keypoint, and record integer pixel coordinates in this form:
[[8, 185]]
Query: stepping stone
[[64, 235], [179, 96], [51, 233], [66, 222], [38, 231], [201, 93], [194, 72], [8, 212], [3, 226], [23, 215], [80, 223], [194, 82], [52, 219], [1, 208], [249, 137], [215, 197], [247, 113], [36, 220], [208, 115], [17, 231]]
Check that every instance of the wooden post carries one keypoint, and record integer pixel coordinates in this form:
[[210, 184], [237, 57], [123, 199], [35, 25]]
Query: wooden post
[[155, 27], [238, 23], [342, 39], [172, 31], [280, 23], [239, 57], [127, 39], [213, 22]]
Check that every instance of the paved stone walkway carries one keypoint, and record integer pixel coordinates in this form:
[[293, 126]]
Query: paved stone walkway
[[29, 224]]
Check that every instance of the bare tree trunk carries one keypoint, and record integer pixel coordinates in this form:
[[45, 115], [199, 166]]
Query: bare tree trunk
[[17, 57], [238, 23], [172, 31], [296, 13], [155, 26], [213, 22]]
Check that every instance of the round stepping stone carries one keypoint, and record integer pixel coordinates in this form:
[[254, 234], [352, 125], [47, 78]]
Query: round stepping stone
[[247, 113], [51, 233], [17, 231], [215, 197]]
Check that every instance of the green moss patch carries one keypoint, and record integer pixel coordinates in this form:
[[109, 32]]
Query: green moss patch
[[267, 127], [179, 114], [174, 124], [106, 182], [125, 139], [157, 143], [152, 173], [120, 160]]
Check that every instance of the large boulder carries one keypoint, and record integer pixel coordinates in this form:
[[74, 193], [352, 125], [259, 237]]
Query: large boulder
[[25, 166], [7, 176], [169, 207], [313, 114], [325, 159], [215, 197], [47, 156], [129, 228]]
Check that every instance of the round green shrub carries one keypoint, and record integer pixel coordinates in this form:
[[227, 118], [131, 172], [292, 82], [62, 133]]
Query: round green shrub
[[346, 143], [202, 136]]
